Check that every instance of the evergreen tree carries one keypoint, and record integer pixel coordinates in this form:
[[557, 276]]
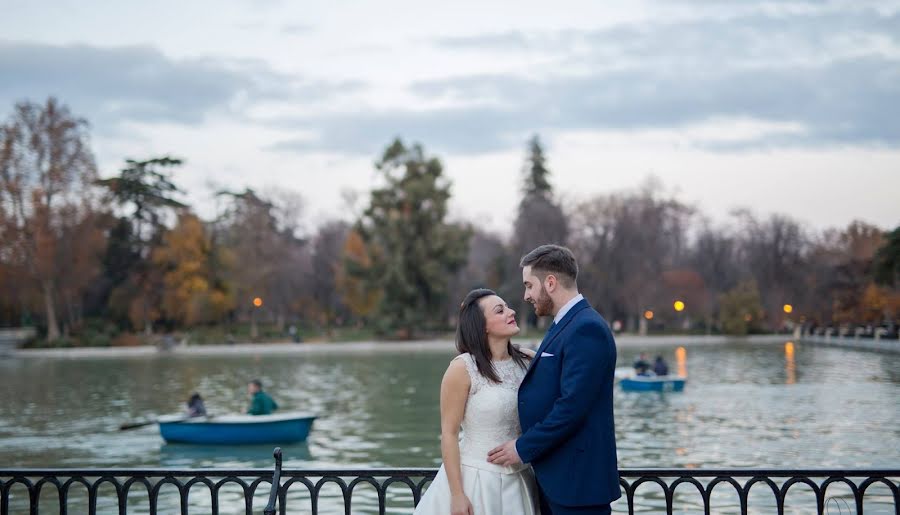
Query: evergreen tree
[[537, 182], [414, 251], [146, 193], [887, 260], [540, 220]]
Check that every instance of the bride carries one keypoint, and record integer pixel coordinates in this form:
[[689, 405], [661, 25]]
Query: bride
[[479, 393]]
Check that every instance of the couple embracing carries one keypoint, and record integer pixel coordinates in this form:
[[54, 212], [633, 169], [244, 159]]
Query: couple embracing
[[538, 431]]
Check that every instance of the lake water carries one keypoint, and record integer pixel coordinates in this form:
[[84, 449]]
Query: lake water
[[745, 405]]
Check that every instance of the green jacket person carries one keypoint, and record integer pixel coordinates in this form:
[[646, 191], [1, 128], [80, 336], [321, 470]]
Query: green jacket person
[[260, 402]]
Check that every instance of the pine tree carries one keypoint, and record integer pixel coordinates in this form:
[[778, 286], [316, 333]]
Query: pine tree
[[537, 182]]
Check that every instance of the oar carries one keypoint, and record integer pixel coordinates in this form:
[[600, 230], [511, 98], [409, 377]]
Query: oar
[[132, 425]]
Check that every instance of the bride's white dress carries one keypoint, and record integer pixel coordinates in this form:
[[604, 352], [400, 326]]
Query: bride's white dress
[[491, 418]]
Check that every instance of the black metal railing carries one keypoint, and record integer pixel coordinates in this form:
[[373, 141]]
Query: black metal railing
[[830, 491]]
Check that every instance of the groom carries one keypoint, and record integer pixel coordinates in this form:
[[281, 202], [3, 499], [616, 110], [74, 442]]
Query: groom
[[565, 400]]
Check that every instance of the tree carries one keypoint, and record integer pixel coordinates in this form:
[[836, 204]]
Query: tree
[[273, 262], [624, 243], [773, 252], [540, 220], [147, 189], [839, 272], [714, 257], [488, 264], [194, 290], [46, 174], [145, 192], [537, 181], [327, 247], [887, 260], [741, 309], [413, 249], [361, 294]]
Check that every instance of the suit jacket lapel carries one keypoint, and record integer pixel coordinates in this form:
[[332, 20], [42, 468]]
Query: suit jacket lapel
[[551, 335]]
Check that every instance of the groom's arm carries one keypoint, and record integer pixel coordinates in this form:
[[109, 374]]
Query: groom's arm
[[580, 384]]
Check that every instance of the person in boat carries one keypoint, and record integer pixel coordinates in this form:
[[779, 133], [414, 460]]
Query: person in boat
[[195, 406], [641, 366], [260, 402], [660, 367]]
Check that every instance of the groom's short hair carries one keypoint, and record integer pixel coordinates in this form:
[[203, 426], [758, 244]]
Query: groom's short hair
[[552, 259]]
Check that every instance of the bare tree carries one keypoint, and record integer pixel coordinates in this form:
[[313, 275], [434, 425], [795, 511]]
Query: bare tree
[[773, 253], [46, 174], [327, 258], [625, 242]]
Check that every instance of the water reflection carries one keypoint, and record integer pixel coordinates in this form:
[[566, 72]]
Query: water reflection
[[238, 456], [681, 359], [790, 366]]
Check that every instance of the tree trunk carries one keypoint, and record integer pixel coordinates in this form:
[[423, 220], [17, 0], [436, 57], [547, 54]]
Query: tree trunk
[[52, 325]]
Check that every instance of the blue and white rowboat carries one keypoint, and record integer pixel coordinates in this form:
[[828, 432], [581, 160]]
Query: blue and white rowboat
[[653, 383], [237, 429]]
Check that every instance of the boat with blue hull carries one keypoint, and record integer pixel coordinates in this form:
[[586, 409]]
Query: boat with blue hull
[[278, 428], [653, 383]]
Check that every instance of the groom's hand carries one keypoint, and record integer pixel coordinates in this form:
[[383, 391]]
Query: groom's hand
[[505, 455]]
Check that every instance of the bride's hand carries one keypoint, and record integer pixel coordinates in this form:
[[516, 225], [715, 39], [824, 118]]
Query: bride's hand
[[526, 351], [460, 505]]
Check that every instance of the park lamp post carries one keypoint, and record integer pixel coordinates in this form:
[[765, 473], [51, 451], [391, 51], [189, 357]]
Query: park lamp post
[[679, 306], [644, 321], [790, 324], [257, 303]]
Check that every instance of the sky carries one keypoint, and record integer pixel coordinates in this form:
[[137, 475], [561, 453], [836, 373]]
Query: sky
[[790, 106]]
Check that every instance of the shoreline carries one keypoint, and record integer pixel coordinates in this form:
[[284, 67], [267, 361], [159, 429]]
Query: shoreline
[[290, 348]]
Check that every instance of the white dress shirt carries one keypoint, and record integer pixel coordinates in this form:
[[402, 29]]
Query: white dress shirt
[[565, 309]]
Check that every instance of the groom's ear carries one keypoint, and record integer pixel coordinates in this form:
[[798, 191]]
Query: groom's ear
[[550, 283]]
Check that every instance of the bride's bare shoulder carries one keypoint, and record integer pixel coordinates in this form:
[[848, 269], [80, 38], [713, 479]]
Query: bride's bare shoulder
[[457, 371]]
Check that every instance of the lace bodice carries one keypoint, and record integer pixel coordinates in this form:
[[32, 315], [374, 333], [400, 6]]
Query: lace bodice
[[492, 416]]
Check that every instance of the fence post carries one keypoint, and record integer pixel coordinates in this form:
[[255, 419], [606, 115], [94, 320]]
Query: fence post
[[276, 483]]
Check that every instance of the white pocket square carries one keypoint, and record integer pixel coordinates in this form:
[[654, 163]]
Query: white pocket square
[[546, 355]]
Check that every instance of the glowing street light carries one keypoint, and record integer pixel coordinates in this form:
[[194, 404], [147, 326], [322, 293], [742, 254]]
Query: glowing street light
[[648, 315], [257, 302], [679, 306], [788, 308]]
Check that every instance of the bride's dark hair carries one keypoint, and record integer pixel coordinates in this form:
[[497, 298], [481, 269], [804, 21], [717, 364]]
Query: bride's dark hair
[[471, 335]]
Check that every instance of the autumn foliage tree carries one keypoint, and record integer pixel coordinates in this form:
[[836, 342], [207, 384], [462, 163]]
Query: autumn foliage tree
[[46, 173], [193, 271]]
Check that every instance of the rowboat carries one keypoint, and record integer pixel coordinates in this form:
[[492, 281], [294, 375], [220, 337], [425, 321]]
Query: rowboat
[[668, 383], [236, 429]]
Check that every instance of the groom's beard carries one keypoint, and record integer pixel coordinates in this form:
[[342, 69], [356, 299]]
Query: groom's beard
[[543, 305]]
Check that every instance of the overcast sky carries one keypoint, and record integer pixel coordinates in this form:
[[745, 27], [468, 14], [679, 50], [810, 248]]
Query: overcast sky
[[790, 106]]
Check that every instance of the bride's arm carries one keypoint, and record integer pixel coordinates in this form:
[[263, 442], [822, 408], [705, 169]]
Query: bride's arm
[[454, 393]]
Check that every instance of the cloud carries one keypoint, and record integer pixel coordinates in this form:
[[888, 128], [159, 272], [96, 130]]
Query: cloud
[[367, 133], [833, 75], [113, 86], [296, 29]]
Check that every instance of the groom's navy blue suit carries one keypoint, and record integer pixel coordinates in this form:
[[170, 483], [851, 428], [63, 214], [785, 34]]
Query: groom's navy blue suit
[[566, 413]]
